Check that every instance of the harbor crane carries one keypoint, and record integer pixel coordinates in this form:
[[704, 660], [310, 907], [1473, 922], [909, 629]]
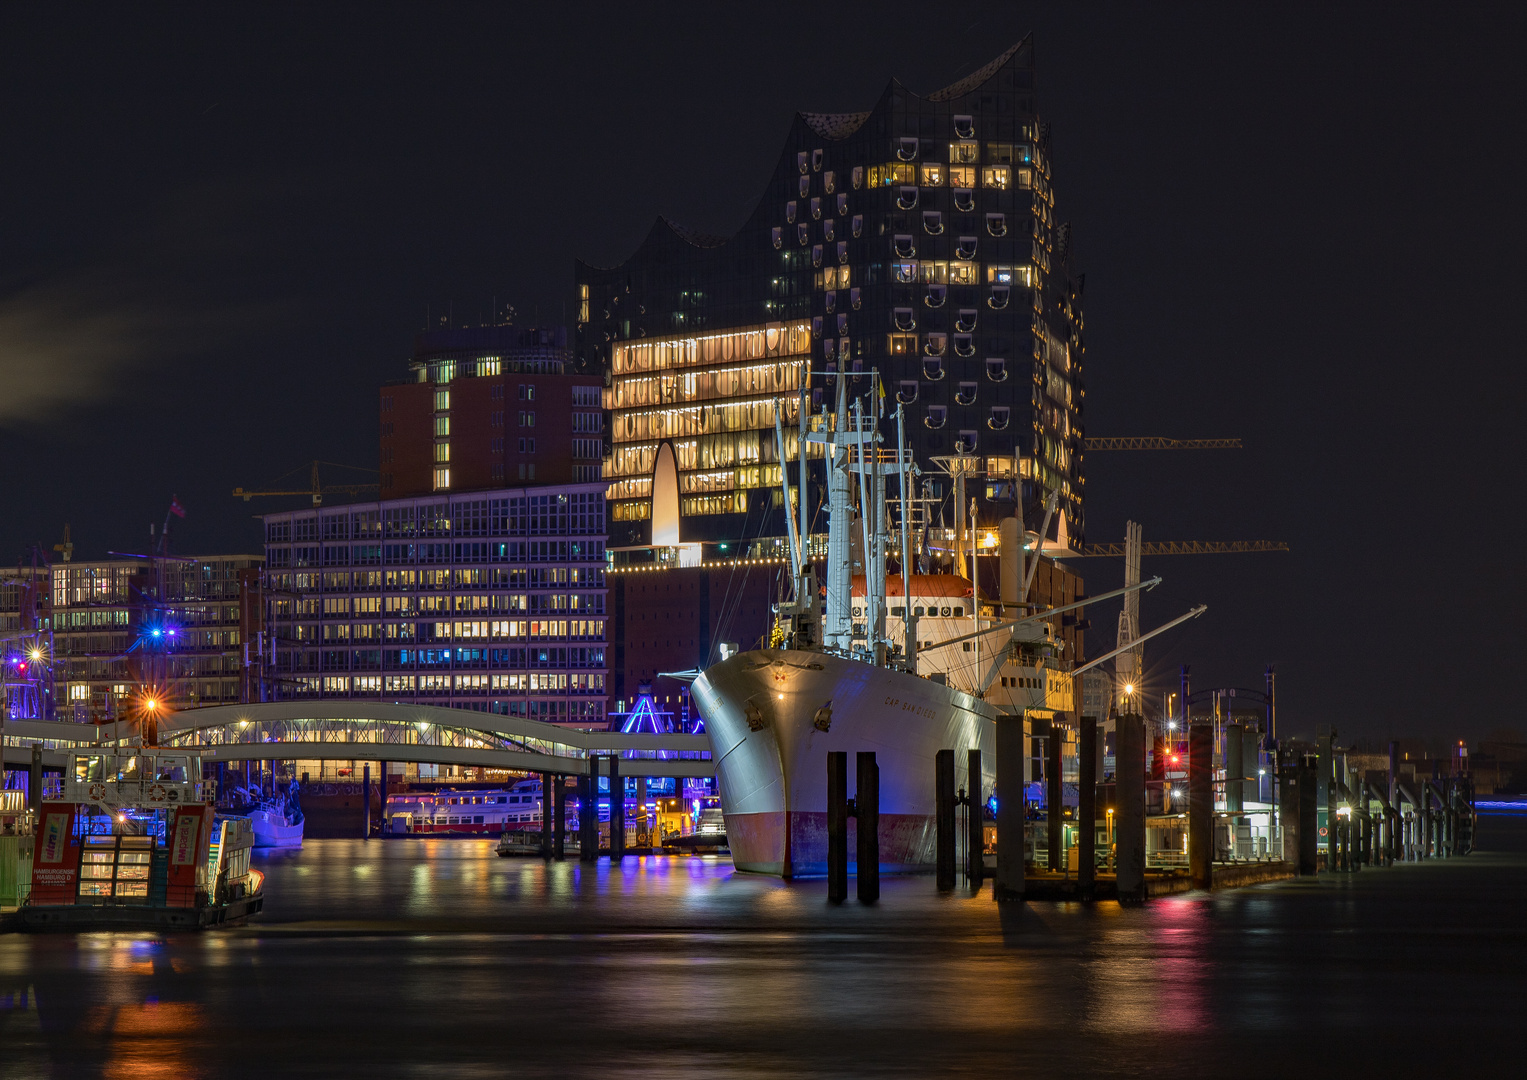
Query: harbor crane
[[315, 489], [1150, 442]]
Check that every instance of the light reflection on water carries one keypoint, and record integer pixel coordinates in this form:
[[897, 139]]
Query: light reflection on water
[[436, 957]]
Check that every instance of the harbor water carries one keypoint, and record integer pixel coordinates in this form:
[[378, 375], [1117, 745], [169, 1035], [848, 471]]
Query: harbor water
[[434, 958]]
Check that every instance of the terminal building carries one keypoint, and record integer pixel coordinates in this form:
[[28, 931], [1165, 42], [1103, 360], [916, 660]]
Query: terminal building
[[916, 241]]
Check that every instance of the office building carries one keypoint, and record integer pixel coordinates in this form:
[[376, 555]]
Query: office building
[[493, 600], [488, 406]]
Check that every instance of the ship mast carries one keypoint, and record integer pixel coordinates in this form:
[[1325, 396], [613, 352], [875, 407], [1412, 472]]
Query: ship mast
[[909, 620]]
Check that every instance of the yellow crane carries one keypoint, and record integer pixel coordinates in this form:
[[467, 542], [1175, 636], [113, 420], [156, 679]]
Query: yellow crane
[[316, 488]]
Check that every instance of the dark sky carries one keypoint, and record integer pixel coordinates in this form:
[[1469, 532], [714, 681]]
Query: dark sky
[[1304, 226]]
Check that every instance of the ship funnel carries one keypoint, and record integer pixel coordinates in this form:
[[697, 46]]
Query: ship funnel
[[1011, 560]]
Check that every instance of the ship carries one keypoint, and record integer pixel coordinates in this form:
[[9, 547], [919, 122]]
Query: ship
[[135, 843], [902, 680]]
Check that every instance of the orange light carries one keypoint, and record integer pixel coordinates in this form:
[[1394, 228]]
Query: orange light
[[151, 704]]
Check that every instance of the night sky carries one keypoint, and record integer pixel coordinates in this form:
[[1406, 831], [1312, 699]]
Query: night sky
[[220, 228]]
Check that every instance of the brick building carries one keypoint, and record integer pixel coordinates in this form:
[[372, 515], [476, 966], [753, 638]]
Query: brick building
[[489, 406]]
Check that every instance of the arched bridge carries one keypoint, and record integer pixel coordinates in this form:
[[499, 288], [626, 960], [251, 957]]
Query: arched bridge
[[378, 731]]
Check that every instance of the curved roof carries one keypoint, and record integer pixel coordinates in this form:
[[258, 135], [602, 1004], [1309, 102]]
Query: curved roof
[[835, 125], [977, 77]]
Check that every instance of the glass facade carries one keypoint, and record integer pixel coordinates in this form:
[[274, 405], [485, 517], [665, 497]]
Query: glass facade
[[917, 240], [493, 601]]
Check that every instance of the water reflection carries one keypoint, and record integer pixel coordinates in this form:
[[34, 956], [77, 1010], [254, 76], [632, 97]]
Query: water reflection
[[439, 958]]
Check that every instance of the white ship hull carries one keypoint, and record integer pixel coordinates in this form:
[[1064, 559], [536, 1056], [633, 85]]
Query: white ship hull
[[761, 711], [272, 830]]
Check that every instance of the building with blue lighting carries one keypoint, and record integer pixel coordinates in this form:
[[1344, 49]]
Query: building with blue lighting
[[494, 601]]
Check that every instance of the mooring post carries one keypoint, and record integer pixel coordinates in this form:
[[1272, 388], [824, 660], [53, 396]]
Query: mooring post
[[1055, 810], [588, 813], [548, 797], [1201, 805], [943, 817], [1289, 787], [1129, 826], [1011, 840], [643, 832], [34, 778], [1086, 806], [975, 831], [837, 826], [559, 807], [867, 813], [365, 802], [1309, 816], [617, 811]]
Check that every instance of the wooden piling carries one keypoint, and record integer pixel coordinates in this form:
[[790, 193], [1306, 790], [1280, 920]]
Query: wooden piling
[[1055, 811], [837, 826], [1201, 805], [1011, 825], [867, 814], [943, 818], [1129, 826], [1086, 806], [588, 813], [546, 815], [559, 805], [975, 821], [617, 810], [1309, 816]]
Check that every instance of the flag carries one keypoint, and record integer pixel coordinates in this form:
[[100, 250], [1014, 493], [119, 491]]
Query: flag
[[175, 507]]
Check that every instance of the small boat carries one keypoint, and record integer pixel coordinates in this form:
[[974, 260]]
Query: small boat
[[135, 842], [278, 822]]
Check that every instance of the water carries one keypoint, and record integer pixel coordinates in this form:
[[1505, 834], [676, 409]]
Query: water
[[437, 959]]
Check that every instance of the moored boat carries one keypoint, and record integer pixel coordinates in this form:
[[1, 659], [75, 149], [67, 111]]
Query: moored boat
[[135, 842]]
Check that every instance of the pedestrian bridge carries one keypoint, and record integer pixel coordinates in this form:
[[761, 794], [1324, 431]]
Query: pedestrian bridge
[[377, 731]]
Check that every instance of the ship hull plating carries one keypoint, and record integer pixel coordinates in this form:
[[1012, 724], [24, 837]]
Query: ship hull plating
[[772, 717]]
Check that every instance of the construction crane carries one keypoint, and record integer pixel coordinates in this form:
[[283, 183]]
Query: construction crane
[[1189, 547], [1150, 442], [315, 489]]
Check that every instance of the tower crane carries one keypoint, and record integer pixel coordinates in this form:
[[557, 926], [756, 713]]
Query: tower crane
[[1151, 442], [315, 488]]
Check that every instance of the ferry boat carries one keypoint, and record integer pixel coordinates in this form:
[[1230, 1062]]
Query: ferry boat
[[466, 812], [135, 842], [840, 679]]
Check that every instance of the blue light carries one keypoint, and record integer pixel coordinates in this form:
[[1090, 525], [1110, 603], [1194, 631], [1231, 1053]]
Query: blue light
[[154, 632]]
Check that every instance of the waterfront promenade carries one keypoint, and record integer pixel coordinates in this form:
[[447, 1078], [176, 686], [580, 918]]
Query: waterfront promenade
[[435, 958]]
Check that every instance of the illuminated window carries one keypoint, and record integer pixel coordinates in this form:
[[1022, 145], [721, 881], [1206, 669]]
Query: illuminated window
[[901, 344], [904, 273], [964, 152], [442, 400], [442, 479], [442, 451], [932, 175], [583, 303], [442, 427], [962, 273]]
